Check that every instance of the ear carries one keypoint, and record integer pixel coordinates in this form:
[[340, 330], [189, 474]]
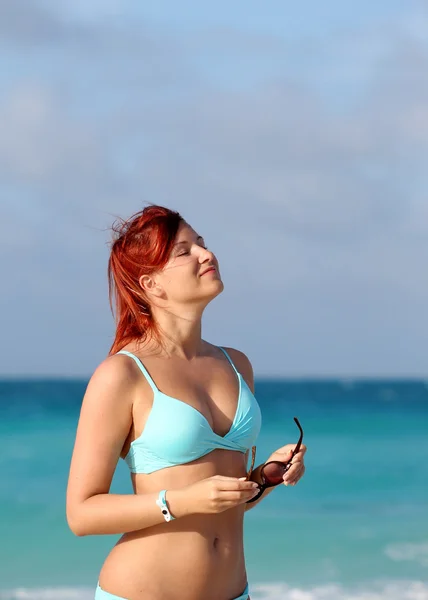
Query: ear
[[149, 284]]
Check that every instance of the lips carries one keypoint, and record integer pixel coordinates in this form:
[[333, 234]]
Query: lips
[[208, 270]]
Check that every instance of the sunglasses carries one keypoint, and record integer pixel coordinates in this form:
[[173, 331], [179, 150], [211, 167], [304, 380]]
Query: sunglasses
[[272, 472]]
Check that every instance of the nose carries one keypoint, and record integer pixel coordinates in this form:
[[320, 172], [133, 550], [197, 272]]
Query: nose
[[206, 255]]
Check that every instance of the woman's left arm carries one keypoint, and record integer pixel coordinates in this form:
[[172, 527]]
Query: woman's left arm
[[283, 454]]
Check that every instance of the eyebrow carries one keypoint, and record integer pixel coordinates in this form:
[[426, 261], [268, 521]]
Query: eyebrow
[[187, 242]]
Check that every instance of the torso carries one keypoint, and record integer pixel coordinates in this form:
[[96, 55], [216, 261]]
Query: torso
[[198, 556]]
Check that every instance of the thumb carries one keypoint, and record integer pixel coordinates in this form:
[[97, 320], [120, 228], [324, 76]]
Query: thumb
[[242, 479]]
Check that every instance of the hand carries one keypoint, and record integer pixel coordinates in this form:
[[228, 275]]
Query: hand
[[297, 469], [217, 494]]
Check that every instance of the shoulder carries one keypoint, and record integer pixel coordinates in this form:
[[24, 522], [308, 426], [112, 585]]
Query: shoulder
[[243, 364], [115, 370], [115, 377]]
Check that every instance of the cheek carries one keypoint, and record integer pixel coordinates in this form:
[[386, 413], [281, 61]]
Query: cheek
[[175, 277]]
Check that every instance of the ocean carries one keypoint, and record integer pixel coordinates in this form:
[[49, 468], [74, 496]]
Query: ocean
[[355, 527]]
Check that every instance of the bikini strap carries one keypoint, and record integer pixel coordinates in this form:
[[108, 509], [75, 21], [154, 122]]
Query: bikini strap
[[142, 368], [229, 359]]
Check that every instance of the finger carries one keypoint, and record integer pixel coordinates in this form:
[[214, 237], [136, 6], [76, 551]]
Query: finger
[[297, 460], [223, 480], [294, 477], [299, 477], [226, 478], [284, 457], [293, 471], [238, 496], [291, 447], [291, 480], [300, 454], [236, 484], [292, 466], [288, 449], [302, 448]]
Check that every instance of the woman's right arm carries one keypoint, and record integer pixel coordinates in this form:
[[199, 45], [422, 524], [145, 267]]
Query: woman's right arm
[[104, 424]]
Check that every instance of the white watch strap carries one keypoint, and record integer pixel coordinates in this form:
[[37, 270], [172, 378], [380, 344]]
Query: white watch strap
[[161, 502]]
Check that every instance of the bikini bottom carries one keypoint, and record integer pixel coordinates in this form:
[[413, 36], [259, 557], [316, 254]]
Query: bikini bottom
[[100, 594]]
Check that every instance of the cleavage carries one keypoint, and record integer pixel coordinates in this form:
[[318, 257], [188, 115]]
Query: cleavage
[[219, 422]]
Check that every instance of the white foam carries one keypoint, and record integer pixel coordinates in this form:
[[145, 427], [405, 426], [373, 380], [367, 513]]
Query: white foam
[[408, 552], [389, 590], [398, 590], [58, 593]]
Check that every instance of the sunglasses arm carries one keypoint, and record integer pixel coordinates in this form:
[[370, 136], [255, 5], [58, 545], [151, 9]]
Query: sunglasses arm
[[255, 476], [250, 505]]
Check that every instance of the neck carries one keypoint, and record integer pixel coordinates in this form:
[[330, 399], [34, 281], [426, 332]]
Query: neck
[[181, 332]]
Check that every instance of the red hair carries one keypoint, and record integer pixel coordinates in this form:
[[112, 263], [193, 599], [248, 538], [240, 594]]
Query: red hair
[[141, 245]]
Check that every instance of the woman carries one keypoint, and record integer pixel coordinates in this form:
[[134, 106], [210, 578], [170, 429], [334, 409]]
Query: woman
[[181, 412]]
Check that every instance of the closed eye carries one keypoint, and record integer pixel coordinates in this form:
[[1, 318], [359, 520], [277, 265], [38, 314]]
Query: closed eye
[[187, 252]]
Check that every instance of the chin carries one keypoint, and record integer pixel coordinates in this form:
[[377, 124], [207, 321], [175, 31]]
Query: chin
[[216, 289]]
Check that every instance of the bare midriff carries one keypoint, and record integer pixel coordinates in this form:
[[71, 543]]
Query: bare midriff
[[193, 557]]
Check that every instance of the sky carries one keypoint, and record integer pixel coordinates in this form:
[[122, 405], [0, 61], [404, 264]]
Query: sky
[[292, 136]]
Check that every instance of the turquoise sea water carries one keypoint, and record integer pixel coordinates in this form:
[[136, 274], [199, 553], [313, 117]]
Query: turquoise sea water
[[355, 527]]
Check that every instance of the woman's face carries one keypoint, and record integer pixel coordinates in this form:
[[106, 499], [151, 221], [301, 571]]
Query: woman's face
[[192, 273]]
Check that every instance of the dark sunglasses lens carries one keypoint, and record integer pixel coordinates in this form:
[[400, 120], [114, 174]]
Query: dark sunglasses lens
[[273, 473]]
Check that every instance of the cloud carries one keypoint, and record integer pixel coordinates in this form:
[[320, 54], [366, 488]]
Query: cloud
[[277, 146], [302, 199], [25, 22]]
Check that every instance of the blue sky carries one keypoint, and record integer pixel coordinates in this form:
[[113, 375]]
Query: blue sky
[[293, 136]]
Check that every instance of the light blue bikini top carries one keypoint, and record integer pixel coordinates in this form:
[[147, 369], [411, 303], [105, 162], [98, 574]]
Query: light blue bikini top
[[177, 433]]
